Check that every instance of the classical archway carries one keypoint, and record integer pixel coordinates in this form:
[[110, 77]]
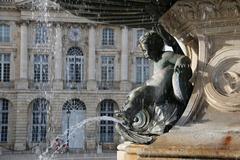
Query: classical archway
[[4, 120], [73, 112], [38, 120]]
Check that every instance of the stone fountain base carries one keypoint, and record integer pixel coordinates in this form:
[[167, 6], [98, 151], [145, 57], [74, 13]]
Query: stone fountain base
[[216, 137]]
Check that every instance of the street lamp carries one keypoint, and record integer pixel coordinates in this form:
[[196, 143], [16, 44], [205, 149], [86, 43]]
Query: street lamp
[[68, 117]]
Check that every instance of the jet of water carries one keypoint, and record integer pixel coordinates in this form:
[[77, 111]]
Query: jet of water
[[49, 156]]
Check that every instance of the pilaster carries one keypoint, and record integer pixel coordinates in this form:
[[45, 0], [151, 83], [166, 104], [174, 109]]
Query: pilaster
[[58, 83], [124, 84], [22, 83], [91, 83]]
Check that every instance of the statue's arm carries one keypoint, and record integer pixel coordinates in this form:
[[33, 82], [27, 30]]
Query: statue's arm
[[182, 73], [169, 40]]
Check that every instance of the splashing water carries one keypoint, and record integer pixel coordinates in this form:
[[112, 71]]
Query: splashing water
[[49, 156]]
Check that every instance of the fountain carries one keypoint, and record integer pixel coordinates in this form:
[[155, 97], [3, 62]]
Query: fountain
[[209, 126]]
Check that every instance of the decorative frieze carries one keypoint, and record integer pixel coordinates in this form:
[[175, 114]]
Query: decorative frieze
[[201, 14]]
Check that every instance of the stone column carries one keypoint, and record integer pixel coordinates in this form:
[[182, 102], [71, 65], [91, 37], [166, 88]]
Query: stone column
[[58, 81], [23, 77], [91, 81], [124, 84]]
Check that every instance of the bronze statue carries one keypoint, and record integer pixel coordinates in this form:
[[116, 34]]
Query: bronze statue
[[153, 109]]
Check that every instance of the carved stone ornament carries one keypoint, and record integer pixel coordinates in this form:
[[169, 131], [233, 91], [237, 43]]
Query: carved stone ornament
[[204, 13], [74, 34], [223, 83]]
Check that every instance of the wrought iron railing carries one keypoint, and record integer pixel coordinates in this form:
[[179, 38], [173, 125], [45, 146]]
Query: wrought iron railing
[[137, 84], [9, 84], [75, 85], [108, 85], [6, 2], [39, 85]]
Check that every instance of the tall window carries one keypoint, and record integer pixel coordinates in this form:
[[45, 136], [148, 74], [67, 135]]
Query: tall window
[[106, 127], [142, 69], [41, 34], [41, 68], [39, 120], [140, 32], [3, 119], [4, 67], [4, 33], [108, 37], [75, 65], [107, 68]]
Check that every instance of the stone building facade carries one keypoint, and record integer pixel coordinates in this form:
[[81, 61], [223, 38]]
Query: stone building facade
[[56, 74]]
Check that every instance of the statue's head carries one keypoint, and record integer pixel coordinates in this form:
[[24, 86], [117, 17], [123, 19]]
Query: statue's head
[[151, 43]]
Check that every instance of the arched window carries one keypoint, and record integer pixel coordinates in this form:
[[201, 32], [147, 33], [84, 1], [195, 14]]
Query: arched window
[[107, 127], [74, 104], [107, 37], [39, 120], [75, 65], [4, 104]]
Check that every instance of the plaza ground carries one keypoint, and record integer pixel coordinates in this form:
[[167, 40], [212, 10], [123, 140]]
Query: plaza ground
[[66, 156]]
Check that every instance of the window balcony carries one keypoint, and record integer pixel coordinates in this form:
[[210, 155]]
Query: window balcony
[[39, 85], [7, 85], [137, 84], [75, 85], [6, 2], [108, 85]]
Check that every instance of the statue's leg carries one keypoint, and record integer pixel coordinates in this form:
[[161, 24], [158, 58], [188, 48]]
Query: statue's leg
[[165, 116], [133, 136]]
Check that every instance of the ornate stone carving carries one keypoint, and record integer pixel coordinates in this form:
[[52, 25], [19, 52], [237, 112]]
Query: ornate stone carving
[[186, 12], [233, 81], [223, 83], [228, 83]]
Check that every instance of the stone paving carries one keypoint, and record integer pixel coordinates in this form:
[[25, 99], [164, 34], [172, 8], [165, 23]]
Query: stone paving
[[66, 156]]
